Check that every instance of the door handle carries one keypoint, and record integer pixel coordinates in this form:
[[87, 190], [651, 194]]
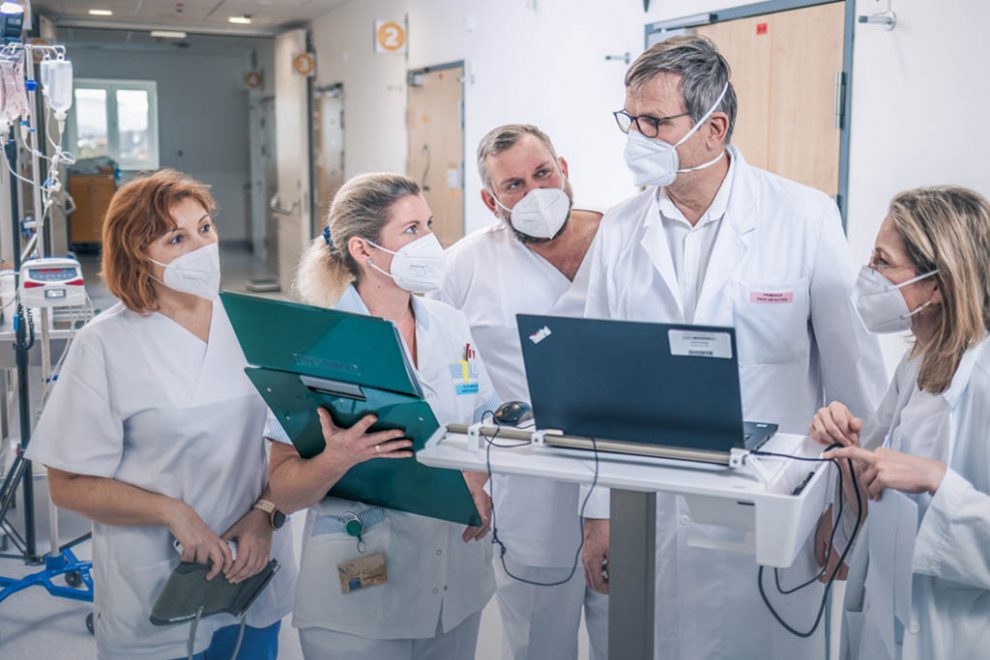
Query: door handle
[[276, 206], [426, 168], [840, 99]]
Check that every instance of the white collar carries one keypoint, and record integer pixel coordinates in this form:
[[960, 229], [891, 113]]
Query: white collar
[[352, 302]]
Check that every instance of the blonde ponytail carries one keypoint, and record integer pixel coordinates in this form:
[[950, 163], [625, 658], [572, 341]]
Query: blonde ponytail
[[323, 275]]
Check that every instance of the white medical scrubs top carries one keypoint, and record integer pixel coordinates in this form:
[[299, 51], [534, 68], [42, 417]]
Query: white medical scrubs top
[[950, 568], [142, 400], [491, 276], [434, 577]]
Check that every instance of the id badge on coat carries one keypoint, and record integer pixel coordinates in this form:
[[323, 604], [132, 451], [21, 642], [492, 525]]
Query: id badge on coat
[[465, 376], [362, 572]]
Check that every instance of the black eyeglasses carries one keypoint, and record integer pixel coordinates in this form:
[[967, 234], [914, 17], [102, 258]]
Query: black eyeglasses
[[645, 124]]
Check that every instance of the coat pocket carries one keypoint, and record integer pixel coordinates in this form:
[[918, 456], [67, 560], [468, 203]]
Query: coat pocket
[[771, 320], [320, 599]]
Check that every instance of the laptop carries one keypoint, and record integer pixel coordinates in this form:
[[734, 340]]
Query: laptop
[[652, 389]]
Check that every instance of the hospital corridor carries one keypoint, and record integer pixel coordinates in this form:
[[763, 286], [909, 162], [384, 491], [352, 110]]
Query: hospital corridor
[[494, 330]]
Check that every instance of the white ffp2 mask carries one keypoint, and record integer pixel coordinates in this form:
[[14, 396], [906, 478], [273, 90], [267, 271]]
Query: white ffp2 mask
[[880, 303], [541, 213], [196, 272], [654, 162], [416, 267]]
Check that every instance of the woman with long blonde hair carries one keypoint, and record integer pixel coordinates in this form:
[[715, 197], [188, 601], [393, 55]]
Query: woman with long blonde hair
[[930, 438]]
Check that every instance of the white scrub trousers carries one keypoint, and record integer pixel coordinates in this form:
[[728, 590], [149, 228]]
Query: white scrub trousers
[[541, 623], [458, 644]]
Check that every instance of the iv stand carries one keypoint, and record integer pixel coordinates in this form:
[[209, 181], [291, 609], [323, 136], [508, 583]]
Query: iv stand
[[60, 560]]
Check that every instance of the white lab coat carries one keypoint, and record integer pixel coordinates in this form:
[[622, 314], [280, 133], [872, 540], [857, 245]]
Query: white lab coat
[[142, 400], [950, 591], [433, 575], [780, 272], [491, 276]]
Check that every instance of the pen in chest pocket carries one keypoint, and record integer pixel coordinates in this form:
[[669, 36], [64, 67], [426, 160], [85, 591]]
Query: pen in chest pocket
[[469, 369]]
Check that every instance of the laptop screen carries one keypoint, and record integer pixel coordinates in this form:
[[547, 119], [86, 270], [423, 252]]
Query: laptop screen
[[650, 383]]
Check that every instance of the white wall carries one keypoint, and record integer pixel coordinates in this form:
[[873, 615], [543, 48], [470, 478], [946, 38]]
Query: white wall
[[544, 66], [919, 92], [202, 117]]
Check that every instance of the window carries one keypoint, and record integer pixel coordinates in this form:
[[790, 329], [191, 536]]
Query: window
[[116, 118]]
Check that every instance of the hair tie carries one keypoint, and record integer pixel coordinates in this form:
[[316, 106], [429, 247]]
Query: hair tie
[[326, 237]]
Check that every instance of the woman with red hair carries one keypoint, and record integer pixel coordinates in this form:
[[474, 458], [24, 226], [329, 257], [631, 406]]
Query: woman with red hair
[[155, 434]]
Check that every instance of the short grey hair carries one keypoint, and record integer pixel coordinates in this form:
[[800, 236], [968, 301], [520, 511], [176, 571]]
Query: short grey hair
[[504, 138], [703, 70]]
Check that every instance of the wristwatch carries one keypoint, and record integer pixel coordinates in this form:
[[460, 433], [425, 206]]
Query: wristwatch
[[275, 517]]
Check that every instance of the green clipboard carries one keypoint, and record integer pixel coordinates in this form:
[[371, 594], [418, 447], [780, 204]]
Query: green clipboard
[[301, 358]]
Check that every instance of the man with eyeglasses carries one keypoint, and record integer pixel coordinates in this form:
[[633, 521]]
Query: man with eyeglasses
[[714, 241], [531, 260]]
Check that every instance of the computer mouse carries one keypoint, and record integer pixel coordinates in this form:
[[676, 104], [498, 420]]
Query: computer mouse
[[513, 413]]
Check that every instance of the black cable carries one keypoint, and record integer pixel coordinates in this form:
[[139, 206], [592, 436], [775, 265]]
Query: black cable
[[497, 541], [826, 560], [828, 551], [842, 556]]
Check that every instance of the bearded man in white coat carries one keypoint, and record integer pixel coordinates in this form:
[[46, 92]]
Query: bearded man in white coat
[[712, 240], [531, 260]]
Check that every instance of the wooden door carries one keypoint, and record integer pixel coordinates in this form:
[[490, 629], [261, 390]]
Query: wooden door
[[328, 149], [436, 146], [292, 149], [807, 57], [784, 70], [748, 54]]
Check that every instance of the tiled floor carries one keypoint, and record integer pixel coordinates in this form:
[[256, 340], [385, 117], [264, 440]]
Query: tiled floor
[[34, 625]]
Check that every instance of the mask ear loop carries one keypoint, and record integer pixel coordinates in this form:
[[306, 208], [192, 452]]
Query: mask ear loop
[[705, 117], [703, 165], [918, 278], [376, 245], [694, 129], [151, 275], [370, 262]]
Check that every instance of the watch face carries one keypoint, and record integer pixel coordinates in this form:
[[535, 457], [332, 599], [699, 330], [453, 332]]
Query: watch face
[[278, 519]]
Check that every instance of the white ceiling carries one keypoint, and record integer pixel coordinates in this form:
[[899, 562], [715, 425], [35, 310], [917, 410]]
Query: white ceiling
[[193, 16]]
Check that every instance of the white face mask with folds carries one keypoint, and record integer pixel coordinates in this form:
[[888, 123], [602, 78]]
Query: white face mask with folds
[[417, 266], [196, 272], [880, 303], [654, 162], [541, 213]]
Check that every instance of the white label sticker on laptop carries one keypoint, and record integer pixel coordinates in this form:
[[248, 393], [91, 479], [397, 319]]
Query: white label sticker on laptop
[[700, 344]]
